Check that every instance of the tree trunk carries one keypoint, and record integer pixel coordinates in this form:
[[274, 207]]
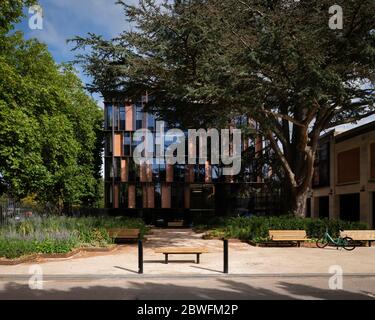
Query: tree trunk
[[298, 203]]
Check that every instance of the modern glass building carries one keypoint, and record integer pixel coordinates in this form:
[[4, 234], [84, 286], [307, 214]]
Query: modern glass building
[[170, 191]]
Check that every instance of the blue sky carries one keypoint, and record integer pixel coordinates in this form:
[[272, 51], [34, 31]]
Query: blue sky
[[64, 19]]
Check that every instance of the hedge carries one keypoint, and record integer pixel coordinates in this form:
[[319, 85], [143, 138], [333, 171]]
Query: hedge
[[256, 228]]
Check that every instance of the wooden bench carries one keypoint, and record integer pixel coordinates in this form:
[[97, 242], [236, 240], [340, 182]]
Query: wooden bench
[[359, 235], [288, 236], [181, 250], [124, 234], [174, 224]]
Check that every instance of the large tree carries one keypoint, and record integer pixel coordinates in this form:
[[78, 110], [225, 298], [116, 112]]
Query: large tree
[[50, 129], [276, 61]]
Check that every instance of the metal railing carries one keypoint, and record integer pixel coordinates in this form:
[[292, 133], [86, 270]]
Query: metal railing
[[12, 210]]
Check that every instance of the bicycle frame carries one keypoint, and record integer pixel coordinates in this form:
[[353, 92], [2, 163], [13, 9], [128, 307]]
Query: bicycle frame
[[338, 242]]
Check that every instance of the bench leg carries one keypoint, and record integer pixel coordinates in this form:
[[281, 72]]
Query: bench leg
[[166, 258], [198, 254]]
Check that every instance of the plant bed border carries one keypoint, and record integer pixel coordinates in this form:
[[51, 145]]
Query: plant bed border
[[272, 244], [35, 256], [19, 260]]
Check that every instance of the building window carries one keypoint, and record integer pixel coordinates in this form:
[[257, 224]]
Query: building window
[[116, 117], [139, 118], [133, 145], [177, 196], [108, 117], [139, 196], [217, 173], [150, 122], [158, 196], [134, 171], [122, 117], [127, 144], [322, 166], [179, 172], [124, 196], [108, 195], [108, 168], [348, 166], [199, 173], [117, 169], [108, 145]]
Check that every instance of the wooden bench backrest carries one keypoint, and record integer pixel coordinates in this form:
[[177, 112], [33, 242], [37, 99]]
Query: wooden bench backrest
[[359, 234], [279, 235], [123, 233]]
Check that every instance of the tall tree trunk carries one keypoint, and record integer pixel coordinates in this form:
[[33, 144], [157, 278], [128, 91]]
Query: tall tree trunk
[[298, 203]]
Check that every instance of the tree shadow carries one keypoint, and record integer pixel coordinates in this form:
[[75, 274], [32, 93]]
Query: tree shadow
[[208, 269], [125, 269], [150, 289]]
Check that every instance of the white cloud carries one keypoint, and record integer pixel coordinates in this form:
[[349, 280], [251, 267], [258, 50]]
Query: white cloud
[[102, 13]]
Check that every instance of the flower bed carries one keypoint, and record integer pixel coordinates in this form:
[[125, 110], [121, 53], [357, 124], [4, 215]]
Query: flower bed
[[60, 235]]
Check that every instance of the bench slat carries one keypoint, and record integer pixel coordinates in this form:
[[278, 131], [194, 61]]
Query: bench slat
[[287, 235], [181, 250], [368, 235]]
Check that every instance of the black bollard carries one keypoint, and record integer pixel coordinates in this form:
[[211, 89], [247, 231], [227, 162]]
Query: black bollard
[[225, 242], [140, 256]]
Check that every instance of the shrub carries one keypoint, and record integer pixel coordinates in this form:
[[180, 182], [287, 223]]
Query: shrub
[[14, 248], [256, 228]]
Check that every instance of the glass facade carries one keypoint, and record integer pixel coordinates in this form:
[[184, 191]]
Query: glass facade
[[131, 186]]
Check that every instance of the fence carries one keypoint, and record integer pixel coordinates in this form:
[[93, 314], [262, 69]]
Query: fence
[[12, 210]]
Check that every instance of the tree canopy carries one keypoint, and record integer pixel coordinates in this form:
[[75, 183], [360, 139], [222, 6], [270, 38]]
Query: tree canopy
[[275, 61], [50, 129]]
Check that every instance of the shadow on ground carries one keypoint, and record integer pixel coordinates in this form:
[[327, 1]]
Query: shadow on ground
[[229, 289]]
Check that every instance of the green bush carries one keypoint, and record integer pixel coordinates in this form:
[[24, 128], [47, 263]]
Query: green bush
[[14, 248], [256, 228]]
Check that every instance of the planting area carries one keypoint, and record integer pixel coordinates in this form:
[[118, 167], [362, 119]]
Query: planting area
[[256, 229], [59, 234]]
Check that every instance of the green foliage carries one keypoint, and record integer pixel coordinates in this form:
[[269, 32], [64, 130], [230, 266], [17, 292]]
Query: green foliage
[[256, 228], [50, 129], [14, 248], [11, 12], [59, 234]]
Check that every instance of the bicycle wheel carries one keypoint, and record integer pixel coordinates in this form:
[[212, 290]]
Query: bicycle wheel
[[321, 243], [349, 244]]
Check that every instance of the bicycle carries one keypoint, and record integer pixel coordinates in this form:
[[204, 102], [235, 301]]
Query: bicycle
[[345, 242]]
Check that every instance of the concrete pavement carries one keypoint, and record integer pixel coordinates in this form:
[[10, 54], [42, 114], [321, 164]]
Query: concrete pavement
[[188, 288]]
